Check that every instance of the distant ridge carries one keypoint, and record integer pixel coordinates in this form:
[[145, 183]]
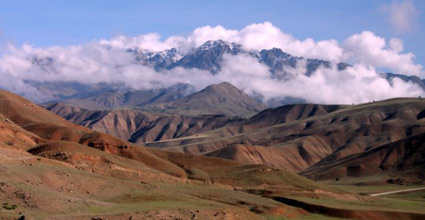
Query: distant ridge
[[217, 99]]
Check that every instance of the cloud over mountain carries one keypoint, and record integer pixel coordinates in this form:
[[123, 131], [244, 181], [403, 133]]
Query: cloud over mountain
[[368, 49], [116, 61]]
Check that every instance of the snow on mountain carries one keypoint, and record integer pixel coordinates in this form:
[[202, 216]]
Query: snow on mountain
[[209, 56]]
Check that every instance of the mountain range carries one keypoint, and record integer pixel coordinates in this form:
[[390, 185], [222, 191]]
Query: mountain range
[[49, 165], [299, 137], [208, 57], [220, 167], [201, 111]]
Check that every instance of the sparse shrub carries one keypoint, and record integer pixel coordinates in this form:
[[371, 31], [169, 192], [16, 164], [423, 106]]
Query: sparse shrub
[[122, 146], [8, 206], [198, 174]]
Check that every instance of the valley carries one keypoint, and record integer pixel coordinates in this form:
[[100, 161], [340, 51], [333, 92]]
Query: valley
[[104, 177], [345, 153], [320, 141]]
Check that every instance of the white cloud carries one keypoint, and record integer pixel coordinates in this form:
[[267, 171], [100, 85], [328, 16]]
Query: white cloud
[[403, 15], [266, 36], [369, 49], [365, 47], [94, 63], [252, 37], [356, 84], [206, 33], [151, 42]]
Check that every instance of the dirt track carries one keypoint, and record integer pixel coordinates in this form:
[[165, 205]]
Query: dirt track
[[397, 191]]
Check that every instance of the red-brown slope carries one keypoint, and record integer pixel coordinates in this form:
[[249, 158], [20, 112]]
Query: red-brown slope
[[223, 98], [13, 135], [405, 157], [36, 120], [53, 129], [323, 138], [137, 126]]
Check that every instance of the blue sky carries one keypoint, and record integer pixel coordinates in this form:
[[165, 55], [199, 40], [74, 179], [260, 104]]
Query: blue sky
[[46, 23]]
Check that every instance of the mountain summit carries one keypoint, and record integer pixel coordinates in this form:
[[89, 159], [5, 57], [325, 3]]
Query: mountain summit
[[223, 99], [209, 56]]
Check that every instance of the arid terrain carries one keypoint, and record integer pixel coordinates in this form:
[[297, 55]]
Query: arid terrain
[[236, 168], [321, 142]]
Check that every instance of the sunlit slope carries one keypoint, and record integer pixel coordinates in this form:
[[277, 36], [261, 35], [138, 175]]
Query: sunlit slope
[[291, 137], [51, 168]]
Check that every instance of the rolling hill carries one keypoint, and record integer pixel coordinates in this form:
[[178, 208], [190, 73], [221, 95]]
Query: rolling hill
[[219, 99], [206, 110], [304, 137], [404, 157], [301, 137], [123, 97], [216, 99], [137, 126], [52, 168]]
